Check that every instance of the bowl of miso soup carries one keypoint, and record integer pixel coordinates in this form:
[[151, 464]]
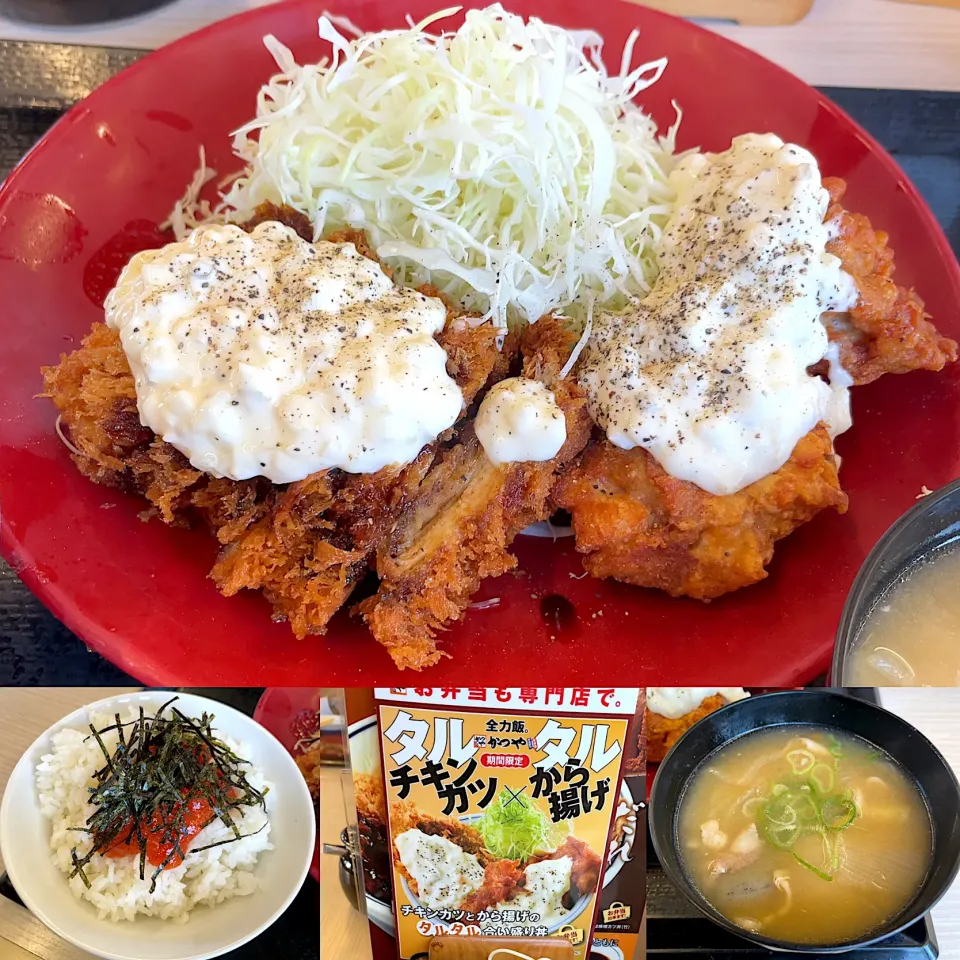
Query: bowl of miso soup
[[901, 622], [807, 821]]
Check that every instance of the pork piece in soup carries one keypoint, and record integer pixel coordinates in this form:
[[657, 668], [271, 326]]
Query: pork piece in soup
[[804, 835]]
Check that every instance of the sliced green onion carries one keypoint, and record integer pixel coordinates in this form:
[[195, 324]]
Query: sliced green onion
[[811, 867], [804, 804], [802, 761], [780, 812], [832, 845], [781, 835], [837, 850], [806, 808], [838, 812], [822, 778]]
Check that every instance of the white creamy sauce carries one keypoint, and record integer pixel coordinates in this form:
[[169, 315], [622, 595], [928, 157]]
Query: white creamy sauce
[[262, 354], [837, 415], [676, 702], [709, 372], [519, 420], [445, 873], [545, 885]]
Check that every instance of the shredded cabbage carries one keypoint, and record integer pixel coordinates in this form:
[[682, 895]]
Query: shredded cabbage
[[499, 161], [515, 828]]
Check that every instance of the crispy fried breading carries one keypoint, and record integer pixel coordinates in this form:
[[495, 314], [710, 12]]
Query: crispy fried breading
[[663, 732], [370, 797], [888, 330], [502, 880], [94, 391], [313, 548], [638, 524], [458, 530], [585, 870], [310, 553], [305, 545]]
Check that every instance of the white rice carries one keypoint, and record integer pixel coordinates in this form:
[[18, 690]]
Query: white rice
[[64, 778]]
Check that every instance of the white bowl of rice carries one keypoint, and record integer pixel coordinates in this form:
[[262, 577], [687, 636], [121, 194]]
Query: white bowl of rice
[[214, 901]]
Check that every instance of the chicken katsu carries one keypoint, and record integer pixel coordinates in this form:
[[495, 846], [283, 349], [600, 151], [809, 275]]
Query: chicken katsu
[[305, 544], [458, 531]]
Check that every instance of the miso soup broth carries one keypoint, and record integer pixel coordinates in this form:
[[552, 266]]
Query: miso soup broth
[[804, 835], [911, 637]]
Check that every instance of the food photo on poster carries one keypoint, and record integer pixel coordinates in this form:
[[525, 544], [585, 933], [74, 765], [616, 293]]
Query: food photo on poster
[[486, 819]]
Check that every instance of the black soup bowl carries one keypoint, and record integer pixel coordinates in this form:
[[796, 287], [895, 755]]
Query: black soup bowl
[[930, 526], [834, 710]]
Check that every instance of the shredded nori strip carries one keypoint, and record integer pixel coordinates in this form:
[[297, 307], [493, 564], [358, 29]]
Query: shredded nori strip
[[159, 765]]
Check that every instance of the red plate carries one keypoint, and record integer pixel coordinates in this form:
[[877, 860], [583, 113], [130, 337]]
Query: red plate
[[138, 593], [290, 715]]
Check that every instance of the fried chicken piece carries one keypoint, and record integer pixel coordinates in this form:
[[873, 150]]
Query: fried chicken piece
[[888, 330], [639, 525], [664, 732], [502, 879], [94, 390], [585, 870], [459, 529], [636, 523], [311, 550]]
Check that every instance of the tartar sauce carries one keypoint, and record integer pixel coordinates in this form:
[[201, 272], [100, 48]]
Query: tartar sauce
[[261, 354], [519, 419], [709, 372], [445, 873], [544, 887], [675, 702]]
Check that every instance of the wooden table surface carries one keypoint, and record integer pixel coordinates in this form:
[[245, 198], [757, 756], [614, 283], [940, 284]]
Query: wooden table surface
[[343, 932], [852, 43]]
